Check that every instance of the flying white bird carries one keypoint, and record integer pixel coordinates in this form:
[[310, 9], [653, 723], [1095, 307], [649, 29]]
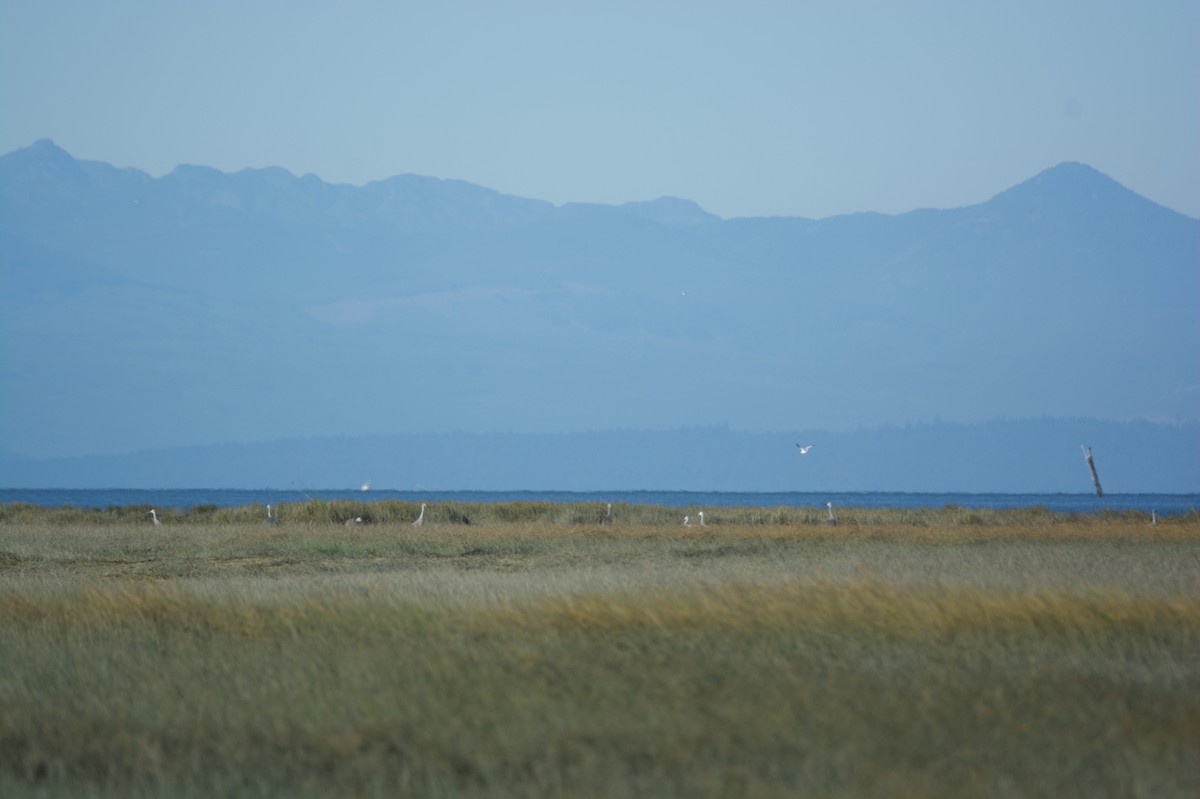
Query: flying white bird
[[420, 519], [804, 450], [366, 486]]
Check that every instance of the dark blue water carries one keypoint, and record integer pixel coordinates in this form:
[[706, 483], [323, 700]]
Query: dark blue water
[[1164, 504]]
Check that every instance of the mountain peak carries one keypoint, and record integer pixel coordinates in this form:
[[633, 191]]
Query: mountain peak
[[1074, 175], [46, 148], [1071, 184], [670, 211], [43, 160]]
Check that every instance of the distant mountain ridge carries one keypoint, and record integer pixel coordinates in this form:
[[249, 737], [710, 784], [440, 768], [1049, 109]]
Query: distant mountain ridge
[[203, 306], [1039, 456], [276, 191]]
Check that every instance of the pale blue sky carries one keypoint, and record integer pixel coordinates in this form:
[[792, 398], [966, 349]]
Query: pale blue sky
[[748, 108]]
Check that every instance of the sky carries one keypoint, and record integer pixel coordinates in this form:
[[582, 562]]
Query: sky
[[748, 108]]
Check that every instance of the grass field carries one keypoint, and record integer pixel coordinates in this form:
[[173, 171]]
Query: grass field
[[534, 652]]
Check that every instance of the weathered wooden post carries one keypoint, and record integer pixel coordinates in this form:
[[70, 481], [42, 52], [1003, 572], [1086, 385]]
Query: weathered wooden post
[[1087, 456]]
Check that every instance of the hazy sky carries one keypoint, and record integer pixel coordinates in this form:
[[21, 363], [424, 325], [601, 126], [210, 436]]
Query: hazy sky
[[748, 108]]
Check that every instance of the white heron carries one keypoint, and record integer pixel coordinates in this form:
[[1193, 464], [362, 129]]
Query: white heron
[[687, 521], [421, 518], [1153, 518], [831, 519], [702, 524], [804, 450], [154, 516], [270, 518], [607, 515]]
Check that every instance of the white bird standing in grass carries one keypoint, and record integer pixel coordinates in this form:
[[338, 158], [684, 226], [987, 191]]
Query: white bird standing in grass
[[831, 520], [687, 521], [702, 524], [804, 450], [607, 515], [420, 519], [270, 518], [154, 516]]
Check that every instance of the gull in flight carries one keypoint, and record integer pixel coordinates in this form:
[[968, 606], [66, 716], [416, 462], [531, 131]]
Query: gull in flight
[[420, 519], [804, 450]]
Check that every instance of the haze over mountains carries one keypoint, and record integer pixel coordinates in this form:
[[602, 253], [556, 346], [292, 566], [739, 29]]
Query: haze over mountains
[[204, 308]]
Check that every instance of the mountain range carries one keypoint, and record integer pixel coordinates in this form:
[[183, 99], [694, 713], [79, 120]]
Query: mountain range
[[202, 308]]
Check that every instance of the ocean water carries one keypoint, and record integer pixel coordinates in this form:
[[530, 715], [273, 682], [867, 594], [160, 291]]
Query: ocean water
[[1163, 504]]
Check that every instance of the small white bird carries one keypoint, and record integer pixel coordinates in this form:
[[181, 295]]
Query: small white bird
[[154, 516], [1153, 518], [831, 520], [702, 524], [366, 486], [270, 518], [607, 515], [421, 518], [687, 521], [804, 450]]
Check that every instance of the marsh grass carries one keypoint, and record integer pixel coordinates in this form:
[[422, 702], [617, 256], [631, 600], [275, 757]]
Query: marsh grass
[[394, 512], [529, 654]]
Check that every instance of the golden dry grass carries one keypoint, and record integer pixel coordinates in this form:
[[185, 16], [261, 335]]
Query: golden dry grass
[[1054, 657]]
